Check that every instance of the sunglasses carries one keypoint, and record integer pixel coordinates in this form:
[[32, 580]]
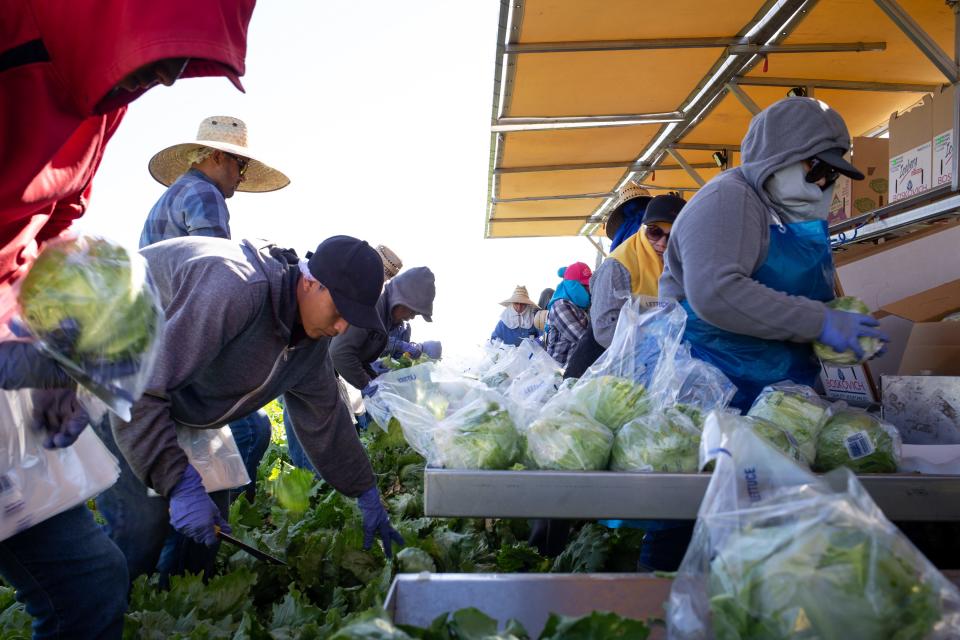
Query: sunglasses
[[242, 163], [655, 234], [820, 170]]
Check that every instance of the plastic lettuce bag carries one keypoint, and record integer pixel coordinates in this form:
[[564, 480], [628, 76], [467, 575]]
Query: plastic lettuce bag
[[870, 346], [611, 400], [796, 409], [89, 303], [718, 425], [688, 381], [780, 553], [480, 435], [515, 361], [861, 442], [567, 439], [666, 441]]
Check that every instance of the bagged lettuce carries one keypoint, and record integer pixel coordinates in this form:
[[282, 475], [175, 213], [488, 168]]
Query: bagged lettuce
[[859, 441], [870, 346], [480, 435], [665, 441], [797, 410], [568, 440], [612, 401]]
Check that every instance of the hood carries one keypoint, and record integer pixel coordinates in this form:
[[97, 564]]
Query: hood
[[786, 132], [415, 288], [91, 51], [280, 268]]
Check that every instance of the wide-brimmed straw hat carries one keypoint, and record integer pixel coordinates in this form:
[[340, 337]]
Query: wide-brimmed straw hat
[[630, 191], [224, 133], [391, 261], [520, 295]]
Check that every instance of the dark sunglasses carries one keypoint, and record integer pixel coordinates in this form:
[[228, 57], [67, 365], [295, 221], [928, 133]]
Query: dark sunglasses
[[242, 163], [820, 170], [655, 234]]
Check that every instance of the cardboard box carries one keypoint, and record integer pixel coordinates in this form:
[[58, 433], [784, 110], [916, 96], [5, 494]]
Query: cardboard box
[[851, 384], [943, 144], [840, 206], [911, 151], [933, 347], [852, 198]]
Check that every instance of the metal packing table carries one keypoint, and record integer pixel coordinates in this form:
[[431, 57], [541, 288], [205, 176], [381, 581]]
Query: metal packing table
[[594, 495]]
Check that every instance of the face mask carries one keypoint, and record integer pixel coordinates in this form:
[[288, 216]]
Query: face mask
[[794, 196]]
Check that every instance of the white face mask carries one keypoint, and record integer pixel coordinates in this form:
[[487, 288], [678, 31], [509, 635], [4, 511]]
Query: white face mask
[[795, 197]]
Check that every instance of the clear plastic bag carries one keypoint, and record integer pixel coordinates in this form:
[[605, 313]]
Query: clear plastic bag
[[527, 355], [91, 306], [796, 409], [858, 440], [685, 380], [780, 553], [567, 439], [530, 391], [720, 424], [666, 440], [215, 456], [38, 483]]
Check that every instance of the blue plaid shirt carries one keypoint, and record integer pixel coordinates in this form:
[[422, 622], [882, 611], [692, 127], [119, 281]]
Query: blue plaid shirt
[[192, 206]]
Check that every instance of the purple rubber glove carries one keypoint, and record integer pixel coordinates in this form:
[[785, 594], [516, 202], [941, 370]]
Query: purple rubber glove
[[409, 347], [23, 366], [842, 331], [192, 512], [378, 367], [370, 390], [376, 522], [61, 415], [433, 349]]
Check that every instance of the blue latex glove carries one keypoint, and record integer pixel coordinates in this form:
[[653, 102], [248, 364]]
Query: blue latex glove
[[378, 367], [409, 347], [61, 414], [376, 522], [842, 331], [370, 390], [363, 420], [192, 512], [433, 349], [23, 366]]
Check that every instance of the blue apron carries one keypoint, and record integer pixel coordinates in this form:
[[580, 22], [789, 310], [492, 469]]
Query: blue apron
[[798, 263]]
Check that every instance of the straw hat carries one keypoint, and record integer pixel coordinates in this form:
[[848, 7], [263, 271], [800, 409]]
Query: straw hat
[[391, 261], [520, 295], [226, 134], [629, 192]]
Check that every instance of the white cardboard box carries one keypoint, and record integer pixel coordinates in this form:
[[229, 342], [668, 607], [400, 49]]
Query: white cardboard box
[[943, 158], [911, 172], [848, 383]]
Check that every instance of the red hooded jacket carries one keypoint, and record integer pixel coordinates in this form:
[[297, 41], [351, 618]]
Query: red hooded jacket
[[59, 64]]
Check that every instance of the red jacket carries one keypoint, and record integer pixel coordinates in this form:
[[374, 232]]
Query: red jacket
[[59, 63]]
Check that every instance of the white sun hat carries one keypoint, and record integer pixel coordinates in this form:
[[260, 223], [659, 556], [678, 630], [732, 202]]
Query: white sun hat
[[227, 134]]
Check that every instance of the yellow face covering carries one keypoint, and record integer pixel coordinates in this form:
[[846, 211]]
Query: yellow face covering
[[644, 264]]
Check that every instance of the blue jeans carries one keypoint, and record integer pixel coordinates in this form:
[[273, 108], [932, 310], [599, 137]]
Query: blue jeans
[[140, 524], [71, 577], [252, 435], [294, 448]]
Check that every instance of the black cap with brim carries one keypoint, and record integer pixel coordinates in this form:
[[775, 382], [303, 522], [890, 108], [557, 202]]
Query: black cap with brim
[[353, 273], [663, 208], [834, 158], [616, 216], [357, 314]]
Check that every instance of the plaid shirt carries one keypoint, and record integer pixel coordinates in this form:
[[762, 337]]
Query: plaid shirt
[[567, 323], [192, 206]]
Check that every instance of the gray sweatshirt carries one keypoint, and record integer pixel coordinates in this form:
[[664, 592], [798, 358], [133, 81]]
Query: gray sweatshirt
[[721, 237], [232, 343], [353, 351], [610, 289]]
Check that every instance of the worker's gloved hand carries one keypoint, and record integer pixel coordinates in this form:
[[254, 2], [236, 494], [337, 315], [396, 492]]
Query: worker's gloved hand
[[378, 367], [433, 349], [24, 366], [409, 347], [376, 522], [61, 415], [842, 331], [370, 390], [192, 512]]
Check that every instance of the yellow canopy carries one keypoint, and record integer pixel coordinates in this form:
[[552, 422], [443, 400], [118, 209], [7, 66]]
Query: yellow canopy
[[588, 95]]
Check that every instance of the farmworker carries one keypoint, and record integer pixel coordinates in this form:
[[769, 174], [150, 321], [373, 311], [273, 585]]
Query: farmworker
[[516, 321], [568, 319], [627, 214], [71, 76], [750, 259], [633, 269], [540, 317], [245, 324]]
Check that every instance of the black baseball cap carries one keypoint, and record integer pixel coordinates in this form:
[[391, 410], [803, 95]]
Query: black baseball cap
[[834, 158], [353, 272], [663, 208]]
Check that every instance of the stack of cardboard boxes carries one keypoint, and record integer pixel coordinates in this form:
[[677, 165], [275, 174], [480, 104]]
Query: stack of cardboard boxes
[[852, 198], [921, 146]]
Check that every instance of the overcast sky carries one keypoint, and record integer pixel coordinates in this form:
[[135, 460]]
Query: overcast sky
[[379, 113]]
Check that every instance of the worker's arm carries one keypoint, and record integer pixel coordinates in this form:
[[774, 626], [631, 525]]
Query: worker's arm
[[609, 291]]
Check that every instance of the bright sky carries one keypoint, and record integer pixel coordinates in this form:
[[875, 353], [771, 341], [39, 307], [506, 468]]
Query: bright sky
[[379, 113]]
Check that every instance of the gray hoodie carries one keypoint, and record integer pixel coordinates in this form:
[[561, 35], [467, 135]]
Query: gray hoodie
[[353, 351], [231, 344], [721, 237]]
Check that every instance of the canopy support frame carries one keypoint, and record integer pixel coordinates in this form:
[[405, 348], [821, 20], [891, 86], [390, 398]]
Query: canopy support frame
[[947, 66]]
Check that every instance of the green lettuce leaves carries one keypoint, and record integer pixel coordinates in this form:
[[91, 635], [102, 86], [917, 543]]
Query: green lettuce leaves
[[870, 346], [858, 441], [666, 441]]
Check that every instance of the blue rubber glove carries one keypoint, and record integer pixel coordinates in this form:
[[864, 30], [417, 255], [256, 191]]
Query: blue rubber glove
[[378, 367], [409, 347], [433, 349], [370, 390], [23, 366], [842, 331], [61, 414], [376, 522], [363, 420], [192, 512]]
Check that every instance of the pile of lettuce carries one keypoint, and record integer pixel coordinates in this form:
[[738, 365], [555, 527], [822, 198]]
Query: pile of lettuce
[[568, 440], [666, 441], [795, 409], [870, 346], [858, 441], [819, 578], [611, 400], [479, 436]]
